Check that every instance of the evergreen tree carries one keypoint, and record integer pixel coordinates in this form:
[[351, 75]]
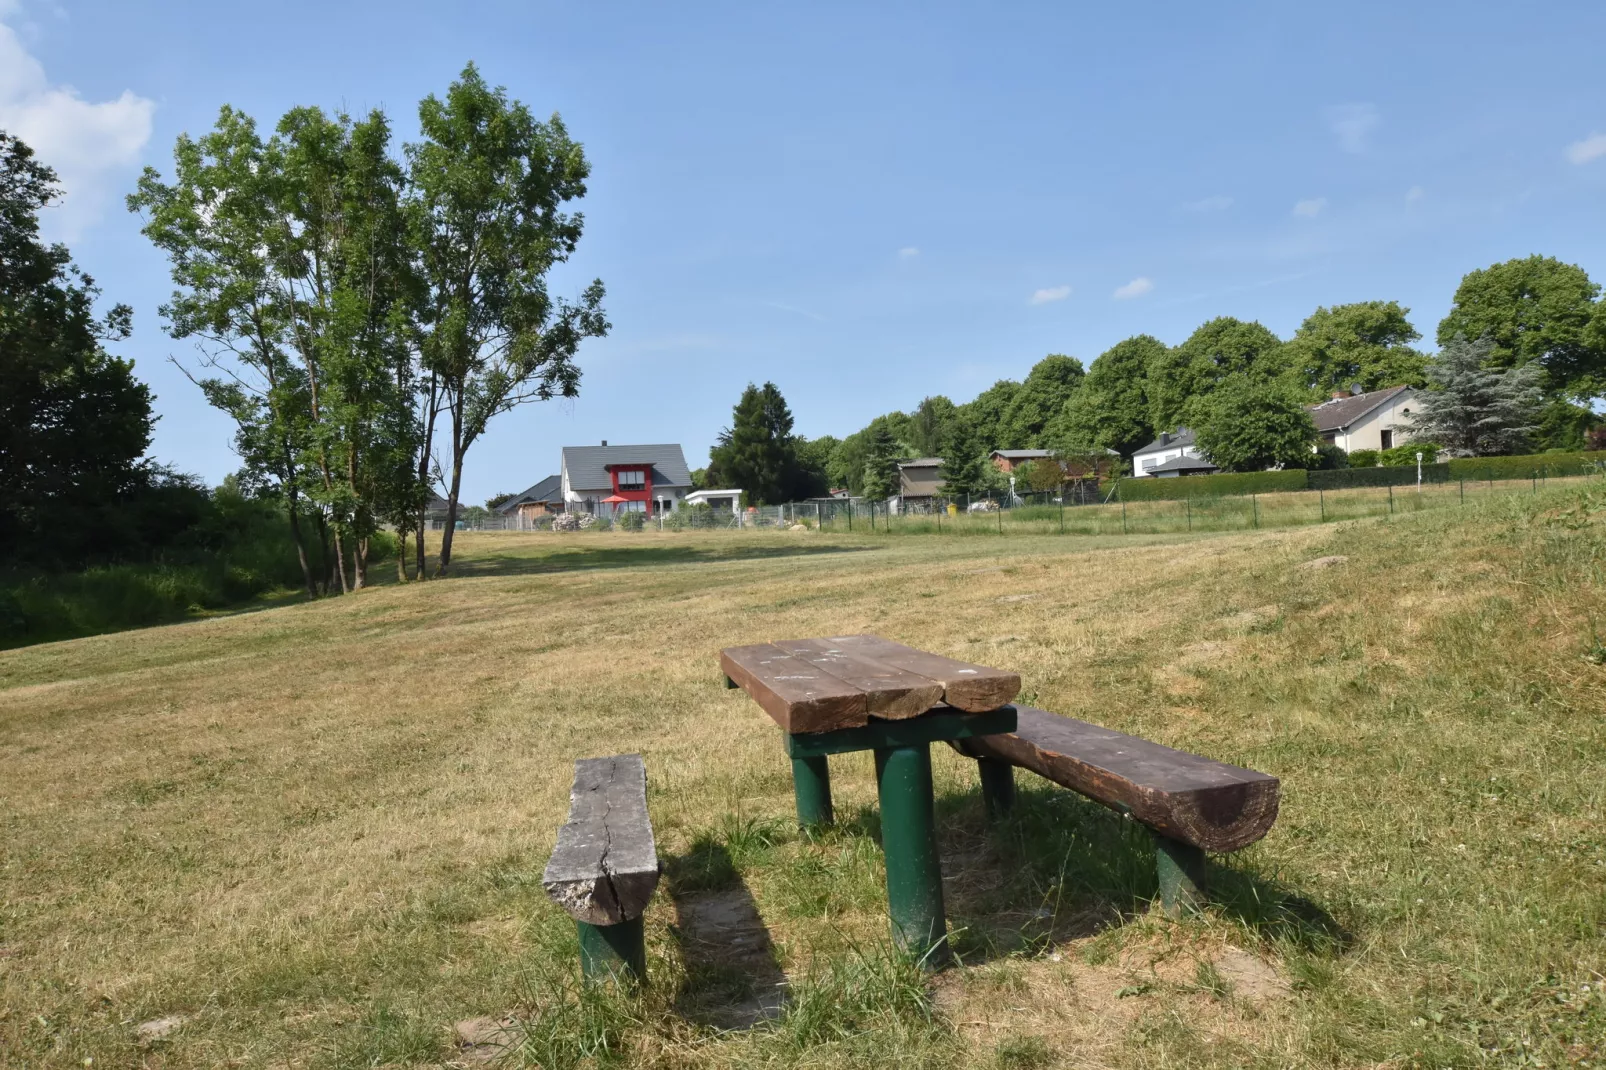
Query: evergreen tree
[[881, 479], [758, 453], [965, 467], [1474, 408]]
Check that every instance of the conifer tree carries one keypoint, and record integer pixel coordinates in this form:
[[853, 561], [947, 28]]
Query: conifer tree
[[1472, 409], [881, 464], [758, 452]]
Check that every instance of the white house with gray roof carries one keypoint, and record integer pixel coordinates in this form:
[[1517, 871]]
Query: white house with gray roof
[[1376, 420], [608, 480], [1171, 446]]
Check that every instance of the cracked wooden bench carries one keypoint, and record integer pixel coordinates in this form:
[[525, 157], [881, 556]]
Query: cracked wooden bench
[[1190, 804], [605, 865]]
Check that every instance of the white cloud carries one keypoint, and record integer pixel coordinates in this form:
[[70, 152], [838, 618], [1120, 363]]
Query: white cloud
[[908, 252], [1310, 208], [91, 146], [1590, 148], [1353, 123], [1136, 288], [1050, 294], [1415, 193], [1209, 204]]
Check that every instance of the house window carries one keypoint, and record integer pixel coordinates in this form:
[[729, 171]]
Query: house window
[[1388, 438], [1150, 462], [632, 479]]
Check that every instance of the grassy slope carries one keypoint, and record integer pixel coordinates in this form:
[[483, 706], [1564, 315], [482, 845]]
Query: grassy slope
[[315, 833]]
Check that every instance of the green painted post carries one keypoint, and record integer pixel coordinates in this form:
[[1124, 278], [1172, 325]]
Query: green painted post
[[1254, 508], [730, 685], [997, 786], [1123, 516], [1000, 518], [909, 842], [1062, 510], [1463, 492], [1189, 502], [613, 951], [1391, 499], [811, 784], [1181, 868], [1321, 500]]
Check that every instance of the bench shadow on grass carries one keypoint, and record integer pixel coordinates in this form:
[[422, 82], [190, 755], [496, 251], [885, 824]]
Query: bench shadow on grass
[[732, 979], [1062, 867], [570, 556]]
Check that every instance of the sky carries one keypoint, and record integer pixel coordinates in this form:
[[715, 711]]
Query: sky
[[868, 203]]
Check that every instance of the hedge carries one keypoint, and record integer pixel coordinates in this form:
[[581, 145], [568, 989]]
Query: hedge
[[1162, 488], [1384, 476], [1526, 466]]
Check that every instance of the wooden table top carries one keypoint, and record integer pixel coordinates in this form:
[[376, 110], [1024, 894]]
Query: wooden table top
[[819, 685]]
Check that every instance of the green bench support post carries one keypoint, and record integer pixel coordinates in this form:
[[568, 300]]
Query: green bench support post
[[909, 841], [811, 784], [613, 951], [1181, 868], [997, 786]]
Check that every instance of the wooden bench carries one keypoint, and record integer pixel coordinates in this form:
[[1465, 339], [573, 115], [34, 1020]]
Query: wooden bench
[[605, 865], [1190, 804]]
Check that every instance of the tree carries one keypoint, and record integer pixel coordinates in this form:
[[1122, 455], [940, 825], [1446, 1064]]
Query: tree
[[1366, 343], [1111, 410], [986, 413], [489, 187], [931, 426], [74, 422], [811, 479], [965, 465], [1536, 310], [1474, 407], [1248, 424], [1051, 383], [1223, 348], [881, 478], [757, 452], [1045, 475]]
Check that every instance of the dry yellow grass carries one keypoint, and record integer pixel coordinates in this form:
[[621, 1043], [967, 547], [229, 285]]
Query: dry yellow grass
[[312, 835]]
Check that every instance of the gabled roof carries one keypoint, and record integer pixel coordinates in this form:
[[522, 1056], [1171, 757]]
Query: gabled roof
[[1339, 413], [922, 462], [587, 466], [1183, 464], [549, 489], [1021, 455], [1174, 440]]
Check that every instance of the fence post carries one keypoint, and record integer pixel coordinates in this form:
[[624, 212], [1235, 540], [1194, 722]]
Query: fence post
[[1062, 510], [1321, 500], [1000, 518], [1463, 492], [1189, 503], [1254, 507], [1391, 499], [850, 514], [1123, 516], [1536, 481]]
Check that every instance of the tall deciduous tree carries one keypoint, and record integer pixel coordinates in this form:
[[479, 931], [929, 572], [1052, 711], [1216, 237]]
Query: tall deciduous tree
[[1366, 343], [1473, 406], [758, 452], [1248, 423], [987, 413], [931, 425], [1220, 349], [1111, 410], [1536, 310], [490, 185], [1051, 383]]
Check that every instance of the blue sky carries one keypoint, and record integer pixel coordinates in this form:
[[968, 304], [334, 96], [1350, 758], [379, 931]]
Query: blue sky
[[868, 203]]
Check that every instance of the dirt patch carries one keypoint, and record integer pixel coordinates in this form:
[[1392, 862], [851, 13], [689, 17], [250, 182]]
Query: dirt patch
[[1250, 978], [1325, 562], [483, 1040], [157, 1028], [1017, 598]]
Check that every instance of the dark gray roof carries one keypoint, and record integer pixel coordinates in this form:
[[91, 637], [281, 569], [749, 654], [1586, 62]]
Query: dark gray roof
[[1183, 464], [922, 462], [549, 489], [587, 465], [1339, 413], [1174, 440], [1022, 455]]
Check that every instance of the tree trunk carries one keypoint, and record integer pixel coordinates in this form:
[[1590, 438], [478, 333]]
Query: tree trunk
[[301, 550], [451, 510], [401, 557], [432, 410], [359, 563], [340, 561]]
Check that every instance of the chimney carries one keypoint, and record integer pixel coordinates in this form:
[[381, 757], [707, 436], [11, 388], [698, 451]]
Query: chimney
[[1338, 395], [604, 442], [1165, 438]]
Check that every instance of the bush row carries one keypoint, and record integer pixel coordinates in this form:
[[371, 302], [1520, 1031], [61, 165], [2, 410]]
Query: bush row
[[1161, 488], [1384, 476], [1526, 467]]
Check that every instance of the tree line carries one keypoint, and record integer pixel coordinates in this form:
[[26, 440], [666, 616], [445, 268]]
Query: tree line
[[1522, 358]]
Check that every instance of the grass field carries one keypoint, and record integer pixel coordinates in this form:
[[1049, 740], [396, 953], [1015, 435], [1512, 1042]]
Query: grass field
[[312, 836]]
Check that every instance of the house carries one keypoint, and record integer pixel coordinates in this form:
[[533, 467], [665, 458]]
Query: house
[[728, 500], [540, 500], [1168, 447], [919, 479], [1009, 460], [1377, 420], [1185, 465], [608, 480]]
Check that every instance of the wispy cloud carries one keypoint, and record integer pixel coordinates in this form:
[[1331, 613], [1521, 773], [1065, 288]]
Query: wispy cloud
[[908, 252], [1353, 124], [1590, 148], [92, 146], [1049, 295], [1209, 204], [1310, 208], [1136, 288], [815, 316]]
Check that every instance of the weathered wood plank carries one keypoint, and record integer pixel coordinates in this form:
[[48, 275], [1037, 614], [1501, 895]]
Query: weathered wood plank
[[891, 693], [605, 866], [968, 687], [1199, 801], [800, 697]]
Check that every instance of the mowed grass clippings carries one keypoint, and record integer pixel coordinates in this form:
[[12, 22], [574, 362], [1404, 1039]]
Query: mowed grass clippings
[[313, 835]]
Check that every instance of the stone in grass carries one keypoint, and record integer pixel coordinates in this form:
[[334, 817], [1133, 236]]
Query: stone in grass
[[157, 1028], [1326, 562]]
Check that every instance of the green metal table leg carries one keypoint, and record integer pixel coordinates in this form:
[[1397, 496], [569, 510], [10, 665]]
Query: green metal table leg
[[811, 783], [1181, 870], [997, 786], [613, 951], [909, 841]]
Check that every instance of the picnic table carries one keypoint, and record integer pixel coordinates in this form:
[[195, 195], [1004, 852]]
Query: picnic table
[[862, 692]]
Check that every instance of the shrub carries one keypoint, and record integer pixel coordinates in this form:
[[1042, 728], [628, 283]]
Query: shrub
[[1526, 466], [1364, 458], [1328, 457], [631, 521], [1160, 488], [1378, 476], [1405, 456]]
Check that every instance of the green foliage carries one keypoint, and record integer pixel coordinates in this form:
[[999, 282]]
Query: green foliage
[[811, 478], [1152, 488], [1475, 407], [1248, 424], [1378, 476], [758, 452], [1221, 349], [966, 466], [1111, 410], [1527, 466], [1328, 457], [1052, 382], [987, 413], [1535, 310], [631, 521], [880, 479], [1366, 343], [931, 426], [1405, 455], [1364, 458], [1564, 426]]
